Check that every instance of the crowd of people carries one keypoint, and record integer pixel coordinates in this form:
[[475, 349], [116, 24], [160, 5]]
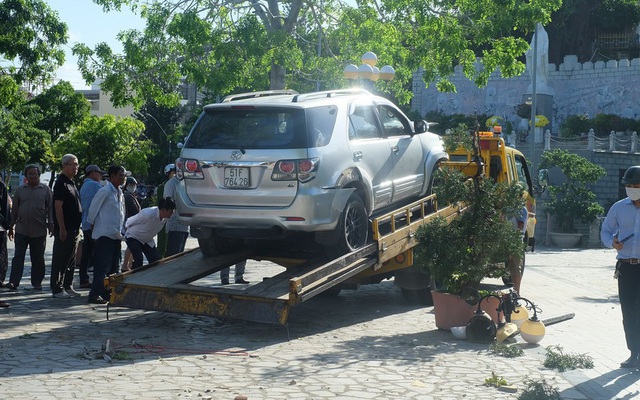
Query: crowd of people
[[103, 213]]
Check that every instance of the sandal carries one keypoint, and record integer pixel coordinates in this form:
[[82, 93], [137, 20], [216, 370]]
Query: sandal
[[4, 304]]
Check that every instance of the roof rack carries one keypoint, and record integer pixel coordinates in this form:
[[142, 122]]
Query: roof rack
[[253, 95], [328, 93]]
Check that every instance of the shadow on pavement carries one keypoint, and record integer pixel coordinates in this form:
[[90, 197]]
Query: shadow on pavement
[[70, 333]]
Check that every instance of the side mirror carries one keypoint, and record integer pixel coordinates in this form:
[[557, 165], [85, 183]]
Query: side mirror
[[420, 126]]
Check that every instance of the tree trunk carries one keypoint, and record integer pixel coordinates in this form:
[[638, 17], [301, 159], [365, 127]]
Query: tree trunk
[[277, 77]]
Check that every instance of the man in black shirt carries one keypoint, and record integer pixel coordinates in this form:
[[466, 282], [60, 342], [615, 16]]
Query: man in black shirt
[[68, 216]]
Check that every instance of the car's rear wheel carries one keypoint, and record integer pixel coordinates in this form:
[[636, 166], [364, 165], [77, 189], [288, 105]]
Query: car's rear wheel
[[353, 227]]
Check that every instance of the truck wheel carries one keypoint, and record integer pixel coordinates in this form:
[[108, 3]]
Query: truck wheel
[[206, 247], [417, 296], [217, 245], [353, 227]]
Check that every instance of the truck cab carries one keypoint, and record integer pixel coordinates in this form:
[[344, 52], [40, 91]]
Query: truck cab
[[502, 164]]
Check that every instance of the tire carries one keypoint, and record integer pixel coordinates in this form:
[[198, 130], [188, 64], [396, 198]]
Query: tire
[[417, 296], [207, 247], [433, 183], [217, 245], [353, 227]]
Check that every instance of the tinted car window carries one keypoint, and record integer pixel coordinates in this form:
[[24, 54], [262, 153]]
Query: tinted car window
[[249, 128], [394, 124], [363, 124], [321, 121]]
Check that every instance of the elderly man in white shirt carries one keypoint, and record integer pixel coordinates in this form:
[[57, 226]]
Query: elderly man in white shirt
[[106, 218], [141, 229]]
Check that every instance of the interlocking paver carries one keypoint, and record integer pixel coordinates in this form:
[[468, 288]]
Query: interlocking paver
[[365, 344]]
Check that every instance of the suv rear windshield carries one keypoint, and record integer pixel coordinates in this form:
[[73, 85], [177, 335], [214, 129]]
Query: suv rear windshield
[[262, 128]]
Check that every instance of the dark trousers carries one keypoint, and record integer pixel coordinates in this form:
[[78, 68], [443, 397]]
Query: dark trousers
[[629, 293], [137, 249], [86, 260], [36, 253], [4, 256], [176, 241], [106, 261], [63, 263]]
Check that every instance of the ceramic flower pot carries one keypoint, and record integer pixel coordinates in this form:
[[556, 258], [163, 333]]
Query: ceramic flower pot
[[451, 310], [565, 240]]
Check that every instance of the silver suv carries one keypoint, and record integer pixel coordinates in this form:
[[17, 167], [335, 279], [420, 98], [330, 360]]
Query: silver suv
[[266, 165]]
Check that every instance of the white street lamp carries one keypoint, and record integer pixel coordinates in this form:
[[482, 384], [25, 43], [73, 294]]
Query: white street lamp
[[367, 72]]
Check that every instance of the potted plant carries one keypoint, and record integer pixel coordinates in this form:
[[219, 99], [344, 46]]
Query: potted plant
[[475, 245], [572, 200]]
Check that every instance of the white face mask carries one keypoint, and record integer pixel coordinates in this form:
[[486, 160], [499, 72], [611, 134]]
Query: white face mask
[[633, 193]]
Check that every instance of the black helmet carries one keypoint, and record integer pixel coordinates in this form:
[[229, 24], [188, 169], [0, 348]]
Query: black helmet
[[631, 176]]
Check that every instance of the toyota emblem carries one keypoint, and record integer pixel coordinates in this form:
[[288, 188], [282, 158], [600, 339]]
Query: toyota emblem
[[236, 155]]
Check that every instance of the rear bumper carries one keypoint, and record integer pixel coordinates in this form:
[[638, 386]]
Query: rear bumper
[[316, 210]]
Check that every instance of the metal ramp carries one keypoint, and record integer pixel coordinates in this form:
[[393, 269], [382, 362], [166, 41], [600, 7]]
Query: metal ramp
[[166, 285]]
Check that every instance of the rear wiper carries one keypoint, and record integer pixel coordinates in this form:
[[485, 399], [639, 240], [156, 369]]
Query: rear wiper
[[242, 150]]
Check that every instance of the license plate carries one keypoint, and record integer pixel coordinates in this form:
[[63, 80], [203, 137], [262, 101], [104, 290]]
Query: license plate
[[236, 177]]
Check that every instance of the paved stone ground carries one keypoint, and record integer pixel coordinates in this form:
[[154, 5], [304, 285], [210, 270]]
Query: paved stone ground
[[365, 344]]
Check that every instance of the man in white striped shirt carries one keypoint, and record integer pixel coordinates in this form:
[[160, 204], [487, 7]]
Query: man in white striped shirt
[[106, 217], [141, 229]]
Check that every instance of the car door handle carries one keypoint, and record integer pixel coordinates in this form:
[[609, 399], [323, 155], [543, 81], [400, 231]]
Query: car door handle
[[395, 149], [357, 156]]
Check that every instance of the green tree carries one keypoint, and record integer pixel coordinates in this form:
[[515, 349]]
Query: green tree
[[60, 108], [573, 26], [108, 140], [19, 134], [572, 200], [229, 46], [30, 38], [162, 127]]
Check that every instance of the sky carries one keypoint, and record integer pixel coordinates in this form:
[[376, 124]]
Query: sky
[[88, 24]]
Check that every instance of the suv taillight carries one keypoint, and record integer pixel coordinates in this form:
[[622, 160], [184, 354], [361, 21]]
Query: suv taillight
[[188, 168], [290, 170]]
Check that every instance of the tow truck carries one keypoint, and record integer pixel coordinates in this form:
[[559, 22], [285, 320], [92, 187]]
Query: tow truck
[[171, 284]]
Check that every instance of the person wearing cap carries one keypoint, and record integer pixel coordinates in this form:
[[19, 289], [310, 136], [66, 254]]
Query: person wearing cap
[[141, 229], [621, 231], [92, 178], [106, 216], [177, 233], [32, 218], [66, 231], [131, 207]]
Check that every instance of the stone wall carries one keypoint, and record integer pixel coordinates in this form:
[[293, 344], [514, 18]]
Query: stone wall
[[580, 88]]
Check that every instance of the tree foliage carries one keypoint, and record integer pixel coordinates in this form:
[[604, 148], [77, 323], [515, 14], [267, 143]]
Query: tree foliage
[[30, 38], [574, 26], [21, 141], [572, 200], [230, 46], [108, 140], [475, 245], [62, 108]]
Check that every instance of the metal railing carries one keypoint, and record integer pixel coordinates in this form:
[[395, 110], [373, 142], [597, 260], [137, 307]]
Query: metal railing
[[614, 142]]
